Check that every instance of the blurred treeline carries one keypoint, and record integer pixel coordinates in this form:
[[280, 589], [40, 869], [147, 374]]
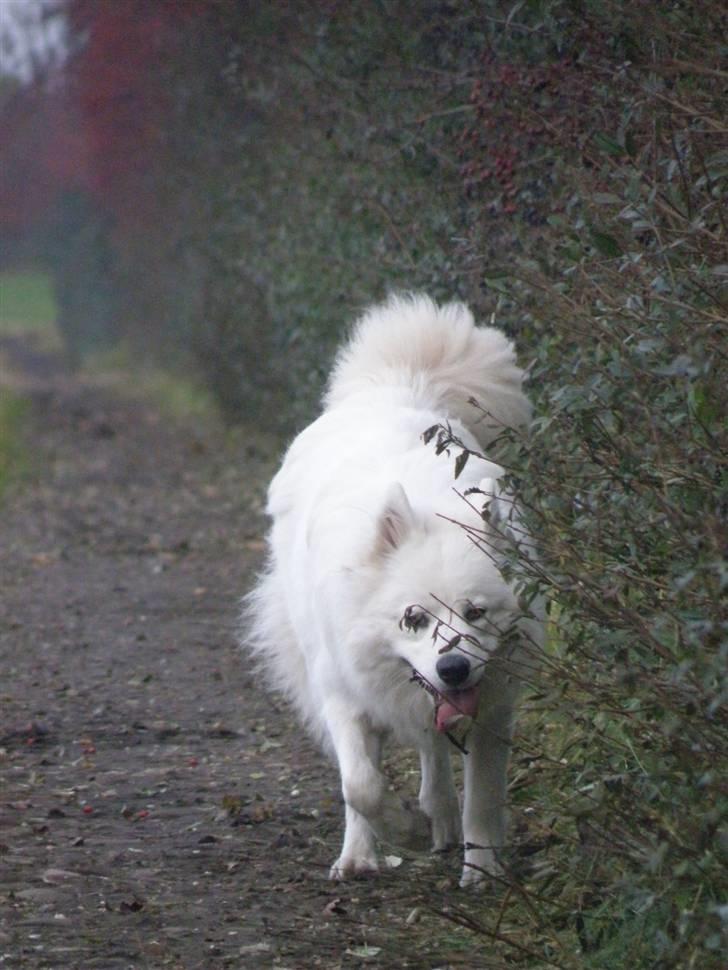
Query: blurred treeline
[[221, 185]]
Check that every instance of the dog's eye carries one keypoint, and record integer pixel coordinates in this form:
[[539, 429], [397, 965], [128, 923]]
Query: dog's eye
[[474, 613], [414, 619]]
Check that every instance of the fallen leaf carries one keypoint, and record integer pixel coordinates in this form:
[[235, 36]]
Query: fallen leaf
[[43, 558], [254, 948], [56, 877], [334, 908], [133, 907], [363, 952]]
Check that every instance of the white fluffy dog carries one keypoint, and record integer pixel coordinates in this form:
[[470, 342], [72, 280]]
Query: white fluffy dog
[[383, 579]]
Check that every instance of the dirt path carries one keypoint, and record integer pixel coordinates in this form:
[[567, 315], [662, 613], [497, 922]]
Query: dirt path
[[157, 809]]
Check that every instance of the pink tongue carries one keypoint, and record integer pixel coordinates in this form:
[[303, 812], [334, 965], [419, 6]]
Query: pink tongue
[[454, 705]]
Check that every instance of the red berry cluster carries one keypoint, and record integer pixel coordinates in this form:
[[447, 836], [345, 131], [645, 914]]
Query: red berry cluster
[[520, 112]]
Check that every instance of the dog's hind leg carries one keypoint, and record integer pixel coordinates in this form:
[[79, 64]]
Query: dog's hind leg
[[484, 804], [438, 797], [366, 792]]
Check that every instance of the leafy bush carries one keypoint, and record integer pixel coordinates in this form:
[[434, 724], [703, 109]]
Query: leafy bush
[[624, 480]]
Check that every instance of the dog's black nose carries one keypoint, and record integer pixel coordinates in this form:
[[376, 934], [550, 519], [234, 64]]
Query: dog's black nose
[[453, 669]]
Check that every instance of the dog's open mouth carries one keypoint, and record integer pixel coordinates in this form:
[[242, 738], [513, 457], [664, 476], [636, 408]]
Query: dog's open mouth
[[456, 709]]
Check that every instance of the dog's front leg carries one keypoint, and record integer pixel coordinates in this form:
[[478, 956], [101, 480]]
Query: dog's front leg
[[371, 809], [484, 804], [359, 851], [438, 797]]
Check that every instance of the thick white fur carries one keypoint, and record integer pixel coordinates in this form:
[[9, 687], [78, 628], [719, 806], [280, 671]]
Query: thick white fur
[[368, 521], [441, 357]]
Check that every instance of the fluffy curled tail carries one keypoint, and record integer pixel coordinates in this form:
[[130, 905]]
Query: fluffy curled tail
[[442, 356]]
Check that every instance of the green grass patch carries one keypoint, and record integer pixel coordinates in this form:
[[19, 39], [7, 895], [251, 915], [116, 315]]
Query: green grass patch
[[176, 394], [27, 305], [179, 396], [13, 457]]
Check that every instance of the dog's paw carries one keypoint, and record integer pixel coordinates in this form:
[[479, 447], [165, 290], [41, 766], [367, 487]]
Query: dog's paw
[[418, 834], [350, 866], [401, 824], [480, 867], [442, 806], [446, 830], [473, 878]]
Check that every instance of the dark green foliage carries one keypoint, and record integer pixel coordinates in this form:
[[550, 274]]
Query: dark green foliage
[[625, 482]]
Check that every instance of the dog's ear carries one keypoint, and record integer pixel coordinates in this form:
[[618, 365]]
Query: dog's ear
[[395, 522]]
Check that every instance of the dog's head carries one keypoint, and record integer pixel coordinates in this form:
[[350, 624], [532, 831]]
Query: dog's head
[[446, 604]]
